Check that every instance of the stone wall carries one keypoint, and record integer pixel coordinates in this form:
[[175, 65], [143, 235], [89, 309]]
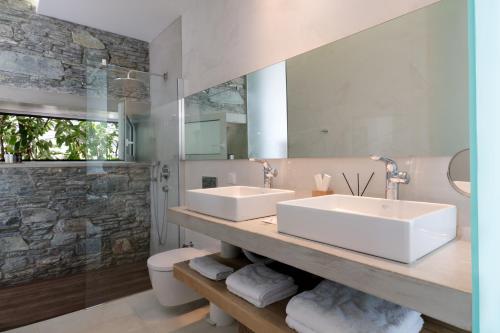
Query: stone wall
[[52, 55], [56, 221], [62, 220]]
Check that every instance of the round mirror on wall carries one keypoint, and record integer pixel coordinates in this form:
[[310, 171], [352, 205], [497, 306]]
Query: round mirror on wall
[[459, 172]]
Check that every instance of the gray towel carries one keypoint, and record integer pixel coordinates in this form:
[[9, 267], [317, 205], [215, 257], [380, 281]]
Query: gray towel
[[348, 310]]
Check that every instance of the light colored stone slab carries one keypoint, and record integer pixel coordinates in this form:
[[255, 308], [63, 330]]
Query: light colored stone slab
[[6, 31], [5, 40], [12, 244], [438, 285], [85, 39], [18, 63]]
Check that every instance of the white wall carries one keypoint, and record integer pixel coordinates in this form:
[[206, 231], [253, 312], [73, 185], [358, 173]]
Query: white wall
[[166, 56], [224, 39]]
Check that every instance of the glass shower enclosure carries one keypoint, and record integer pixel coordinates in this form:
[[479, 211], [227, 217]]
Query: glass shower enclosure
[[81, 214]]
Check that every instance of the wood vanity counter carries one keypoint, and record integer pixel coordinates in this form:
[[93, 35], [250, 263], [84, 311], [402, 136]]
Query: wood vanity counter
[[439, 285]]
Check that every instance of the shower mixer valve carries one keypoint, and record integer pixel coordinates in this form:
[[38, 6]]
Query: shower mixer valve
[[165, 172]]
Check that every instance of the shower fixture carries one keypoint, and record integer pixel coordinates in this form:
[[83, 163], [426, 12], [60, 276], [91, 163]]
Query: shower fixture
[[159, 174], [131, 83], [129, 78], [164, 75]]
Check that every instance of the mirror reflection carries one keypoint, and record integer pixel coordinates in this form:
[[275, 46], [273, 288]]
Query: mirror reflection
[[216, 122], [239, 119]]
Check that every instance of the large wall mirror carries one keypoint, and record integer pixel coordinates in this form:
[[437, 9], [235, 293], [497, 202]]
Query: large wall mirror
[[397, 89]]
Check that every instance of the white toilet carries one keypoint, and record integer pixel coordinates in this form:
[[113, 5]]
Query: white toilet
[[168, 290], [171, 292]]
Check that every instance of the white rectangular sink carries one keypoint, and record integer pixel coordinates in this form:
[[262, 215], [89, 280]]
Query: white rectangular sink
[[394, 229], [237, 203]]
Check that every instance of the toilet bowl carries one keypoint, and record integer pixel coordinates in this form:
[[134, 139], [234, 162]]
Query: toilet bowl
[[168, 290]]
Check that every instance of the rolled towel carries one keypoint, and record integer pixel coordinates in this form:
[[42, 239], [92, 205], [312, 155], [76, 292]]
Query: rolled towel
[[332, 305], [260, 285], [210, 268]]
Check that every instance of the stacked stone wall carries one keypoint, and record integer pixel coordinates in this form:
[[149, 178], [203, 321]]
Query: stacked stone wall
[[56, 221], [40, 52]]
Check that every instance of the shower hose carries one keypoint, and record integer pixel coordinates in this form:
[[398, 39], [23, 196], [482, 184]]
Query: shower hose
[[159, 225]]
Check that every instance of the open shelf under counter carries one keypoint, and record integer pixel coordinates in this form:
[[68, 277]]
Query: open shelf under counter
[[272, 317], [438, 285]]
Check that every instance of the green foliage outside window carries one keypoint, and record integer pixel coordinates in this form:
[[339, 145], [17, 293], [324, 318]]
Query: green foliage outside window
[[37, 138]]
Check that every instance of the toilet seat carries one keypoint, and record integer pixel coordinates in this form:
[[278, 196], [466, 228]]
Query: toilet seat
[[164, 261]]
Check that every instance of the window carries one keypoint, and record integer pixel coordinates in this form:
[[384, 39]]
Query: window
[[44, 138]]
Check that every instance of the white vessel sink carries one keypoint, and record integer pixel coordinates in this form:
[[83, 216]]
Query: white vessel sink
[[399, 230], [237, 203]]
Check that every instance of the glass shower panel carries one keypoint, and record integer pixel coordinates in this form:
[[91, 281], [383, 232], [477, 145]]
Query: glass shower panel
[[164, 141], [116, 209]]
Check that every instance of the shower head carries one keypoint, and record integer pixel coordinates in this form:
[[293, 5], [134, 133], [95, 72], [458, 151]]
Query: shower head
[[129, 84]]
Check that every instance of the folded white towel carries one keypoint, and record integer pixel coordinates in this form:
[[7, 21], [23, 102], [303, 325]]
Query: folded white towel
[[210, 268], [260, 285], [270, 298], [332, 305]]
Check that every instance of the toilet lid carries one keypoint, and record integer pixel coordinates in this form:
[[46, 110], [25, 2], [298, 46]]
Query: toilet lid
[[164, 262]]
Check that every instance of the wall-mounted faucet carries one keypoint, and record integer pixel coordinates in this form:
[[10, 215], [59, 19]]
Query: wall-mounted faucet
[[393, 177], [269, 172]]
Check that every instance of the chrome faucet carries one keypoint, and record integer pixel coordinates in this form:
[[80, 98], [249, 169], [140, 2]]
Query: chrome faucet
[[269, 172], [393, 177]]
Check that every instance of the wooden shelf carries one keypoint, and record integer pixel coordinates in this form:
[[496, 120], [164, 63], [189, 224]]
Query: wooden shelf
[[272, 317], [268, 319]]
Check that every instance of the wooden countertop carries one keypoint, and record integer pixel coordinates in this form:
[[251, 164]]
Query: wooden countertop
[[438, 285]]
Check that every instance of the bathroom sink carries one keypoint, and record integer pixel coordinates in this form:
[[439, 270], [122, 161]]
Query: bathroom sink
[[394, 229], [237, 203]]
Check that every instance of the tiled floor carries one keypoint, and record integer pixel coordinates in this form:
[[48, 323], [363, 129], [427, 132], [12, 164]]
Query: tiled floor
[[133, 314]]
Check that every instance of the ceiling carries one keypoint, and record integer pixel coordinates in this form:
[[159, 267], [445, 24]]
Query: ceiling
[[141, 19]]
